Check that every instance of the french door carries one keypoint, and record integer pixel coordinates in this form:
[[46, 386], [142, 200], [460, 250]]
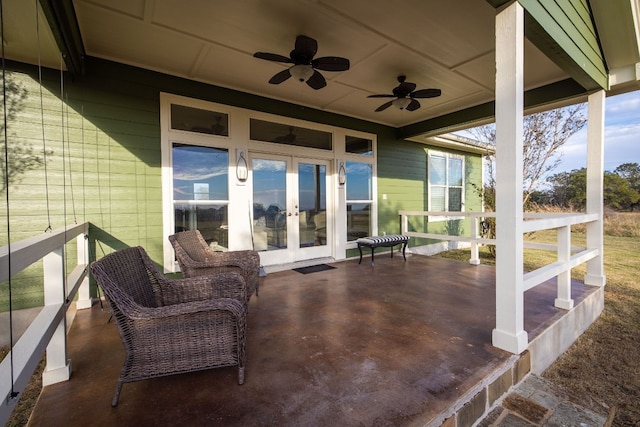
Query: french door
[[292, 209]]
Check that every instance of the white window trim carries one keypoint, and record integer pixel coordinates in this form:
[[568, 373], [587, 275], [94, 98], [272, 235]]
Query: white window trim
[[447, 156]]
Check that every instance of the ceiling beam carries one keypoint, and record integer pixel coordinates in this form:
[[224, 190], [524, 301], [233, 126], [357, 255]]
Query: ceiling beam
[[552, 94], [62, 20]]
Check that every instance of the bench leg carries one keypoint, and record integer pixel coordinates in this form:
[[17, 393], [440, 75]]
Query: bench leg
[[372, 249], [360, 250], [404, 248]]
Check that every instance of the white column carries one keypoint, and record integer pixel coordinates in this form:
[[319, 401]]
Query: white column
[[475, 234], [595, 187], [58, 366], [509, 333]]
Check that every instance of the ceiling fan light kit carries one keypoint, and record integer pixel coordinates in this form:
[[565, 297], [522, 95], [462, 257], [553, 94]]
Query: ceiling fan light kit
[[401, 103], [301, 72], [305, 68]]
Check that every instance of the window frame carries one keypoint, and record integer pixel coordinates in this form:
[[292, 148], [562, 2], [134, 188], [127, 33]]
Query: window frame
[[447, 186]]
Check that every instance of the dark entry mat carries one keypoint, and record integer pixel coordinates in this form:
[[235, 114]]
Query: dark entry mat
[[313, 268]]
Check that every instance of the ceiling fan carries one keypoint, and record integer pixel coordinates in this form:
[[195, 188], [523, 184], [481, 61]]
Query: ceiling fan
[[305, 68], [406, 95]]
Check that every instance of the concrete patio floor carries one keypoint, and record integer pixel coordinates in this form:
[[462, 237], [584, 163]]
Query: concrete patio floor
[[401, 343]]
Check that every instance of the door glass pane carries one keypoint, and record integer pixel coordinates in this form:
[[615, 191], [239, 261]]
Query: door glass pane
[[312, 195], [269, 204]]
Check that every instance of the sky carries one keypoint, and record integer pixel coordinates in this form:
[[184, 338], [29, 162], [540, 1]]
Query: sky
[[621, 136]]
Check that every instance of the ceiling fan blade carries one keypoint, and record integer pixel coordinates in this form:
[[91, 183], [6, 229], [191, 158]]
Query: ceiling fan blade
[[272, 57], [280, 77], [384, 106], [413, 105], [381, 96], [305, 46], [426, 93], [316, 81], [331, 63], [404, 89]]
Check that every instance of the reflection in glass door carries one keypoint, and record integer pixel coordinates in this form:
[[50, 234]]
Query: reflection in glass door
[[290, 210]]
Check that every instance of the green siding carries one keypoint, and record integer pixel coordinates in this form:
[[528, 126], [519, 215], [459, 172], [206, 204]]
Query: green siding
[[564, 31], [402, 176]]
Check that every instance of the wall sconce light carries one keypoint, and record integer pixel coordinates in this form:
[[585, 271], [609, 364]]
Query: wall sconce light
[[242, 168], [342, 173]]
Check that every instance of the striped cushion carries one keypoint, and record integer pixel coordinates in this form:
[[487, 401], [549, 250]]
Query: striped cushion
[[382, 240]]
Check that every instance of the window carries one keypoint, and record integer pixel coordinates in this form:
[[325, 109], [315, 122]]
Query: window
[[446, 182], [261, 130], [198, 120], [359, 199], [201, 192], [357, 145]]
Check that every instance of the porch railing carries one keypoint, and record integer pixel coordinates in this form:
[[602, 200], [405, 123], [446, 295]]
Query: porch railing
[[48, 330], [568, 256]]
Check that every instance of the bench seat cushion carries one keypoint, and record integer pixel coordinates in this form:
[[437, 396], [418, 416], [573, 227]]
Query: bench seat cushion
[[391, 239]]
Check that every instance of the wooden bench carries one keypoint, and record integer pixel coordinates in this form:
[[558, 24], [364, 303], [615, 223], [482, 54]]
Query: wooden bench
[[387, 241]]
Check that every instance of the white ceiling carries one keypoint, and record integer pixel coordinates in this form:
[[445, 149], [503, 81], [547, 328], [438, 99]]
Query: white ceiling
[[436, 44]]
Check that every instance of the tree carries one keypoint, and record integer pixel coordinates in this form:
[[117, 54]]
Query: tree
[[630, 172], [543, 135], [618, 193], [16, 157], [569, 189]]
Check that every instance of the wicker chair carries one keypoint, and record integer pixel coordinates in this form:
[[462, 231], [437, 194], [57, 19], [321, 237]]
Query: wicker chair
[[197, 259], [172, 326]]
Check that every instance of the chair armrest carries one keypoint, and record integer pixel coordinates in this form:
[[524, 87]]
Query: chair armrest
[[221, 285], [233, 306]]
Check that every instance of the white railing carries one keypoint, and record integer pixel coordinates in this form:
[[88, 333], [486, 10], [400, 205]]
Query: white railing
[[48, 330], [568, 257]]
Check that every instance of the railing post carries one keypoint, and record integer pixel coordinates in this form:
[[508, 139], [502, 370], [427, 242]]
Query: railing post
[[84, 293], [58, 366], [475, 255], [564, 300]]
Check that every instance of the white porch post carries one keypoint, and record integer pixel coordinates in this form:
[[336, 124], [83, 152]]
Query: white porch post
[[564, 299], [509, 333], [595, 187], [58, 367]]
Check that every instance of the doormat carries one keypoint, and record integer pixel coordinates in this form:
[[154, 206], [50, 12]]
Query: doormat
[[313, 268]]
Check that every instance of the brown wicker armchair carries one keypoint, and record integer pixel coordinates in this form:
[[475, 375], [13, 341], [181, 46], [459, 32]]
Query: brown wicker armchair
[[197, 259], [172, 326]]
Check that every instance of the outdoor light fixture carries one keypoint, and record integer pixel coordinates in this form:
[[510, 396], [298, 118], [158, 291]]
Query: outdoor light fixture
[[301, 72], [242, 170], [401, 103], [342, 173]]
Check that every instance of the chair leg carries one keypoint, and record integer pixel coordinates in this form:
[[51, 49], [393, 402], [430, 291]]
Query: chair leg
[[114, 402], [241, 375]]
